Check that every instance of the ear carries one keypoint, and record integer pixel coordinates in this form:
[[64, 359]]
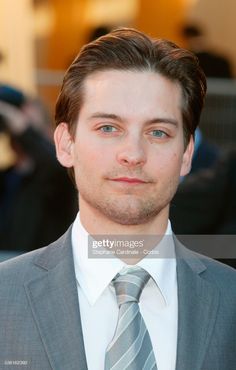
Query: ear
[[187, 158], [64, 144]]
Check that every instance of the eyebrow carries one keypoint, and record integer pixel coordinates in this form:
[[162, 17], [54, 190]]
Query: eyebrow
[[120, 119]]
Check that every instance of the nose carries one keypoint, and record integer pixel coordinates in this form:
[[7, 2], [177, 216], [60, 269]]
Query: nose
[[131, 153]]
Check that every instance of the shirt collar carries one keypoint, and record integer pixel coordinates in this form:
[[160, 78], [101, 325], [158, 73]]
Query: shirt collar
[[95, 274]]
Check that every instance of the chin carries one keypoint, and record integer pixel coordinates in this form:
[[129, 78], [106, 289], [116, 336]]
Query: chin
[[131, 216]]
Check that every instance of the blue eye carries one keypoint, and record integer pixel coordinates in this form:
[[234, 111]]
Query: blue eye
[[159, 133], [108, 128]]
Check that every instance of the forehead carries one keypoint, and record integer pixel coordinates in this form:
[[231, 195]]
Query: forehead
[[131, 92]]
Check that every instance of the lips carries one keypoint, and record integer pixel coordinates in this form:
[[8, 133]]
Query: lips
[[129, 180]]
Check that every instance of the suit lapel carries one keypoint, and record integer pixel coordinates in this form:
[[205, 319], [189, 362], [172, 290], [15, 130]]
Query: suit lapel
[[197, 309], [54, 302]]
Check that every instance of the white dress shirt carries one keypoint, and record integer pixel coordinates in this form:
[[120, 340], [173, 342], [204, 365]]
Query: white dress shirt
[[98, 305]]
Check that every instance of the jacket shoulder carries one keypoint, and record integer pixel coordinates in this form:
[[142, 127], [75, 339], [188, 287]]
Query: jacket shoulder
[[31, 264], [217, 273], [17, 268]]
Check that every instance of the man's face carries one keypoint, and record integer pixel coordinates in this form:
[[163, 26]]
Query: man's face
[[128, 150]]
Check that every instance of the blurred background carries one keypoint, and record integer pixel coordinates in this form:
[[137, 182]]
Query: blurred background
[[38, 41], [39, 38]]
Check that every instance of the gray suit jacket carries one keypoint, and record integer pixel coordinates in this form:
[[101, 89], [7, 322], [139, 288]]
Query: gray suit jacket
[[40, 326]]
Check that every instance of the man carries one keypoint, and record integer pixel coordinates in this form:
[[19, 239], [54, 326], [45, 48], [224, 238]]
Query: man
[[125, 119]]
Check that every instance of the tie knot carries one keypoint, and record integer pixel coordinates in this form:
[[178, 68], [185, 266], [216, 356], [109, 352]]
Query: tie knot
[[129, 286]]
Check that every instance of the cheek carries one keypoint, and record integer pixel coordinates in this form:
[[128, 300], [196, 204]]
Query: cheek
[[167, 162], [176, 159], [176, 163], [85, 153], [90, 160]]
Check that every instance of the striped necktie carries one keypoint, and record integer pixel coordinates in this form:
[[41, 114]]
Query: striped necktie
[[131, 347]]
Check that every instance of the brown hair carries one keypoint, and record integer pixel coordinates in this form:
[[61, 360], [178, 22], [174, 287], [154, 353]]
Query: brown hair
[[129, 49]]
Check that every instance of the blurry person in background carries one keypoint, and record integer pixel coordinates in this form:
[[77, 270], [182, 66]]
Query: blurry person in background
[[205, 200], [98, 31], [206, 153], [37, 201], [126, 116], [212, 63], [93, 34]]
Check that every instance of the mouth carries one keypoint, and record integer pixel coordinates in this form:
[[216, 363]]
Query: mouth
[[129, 180]]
